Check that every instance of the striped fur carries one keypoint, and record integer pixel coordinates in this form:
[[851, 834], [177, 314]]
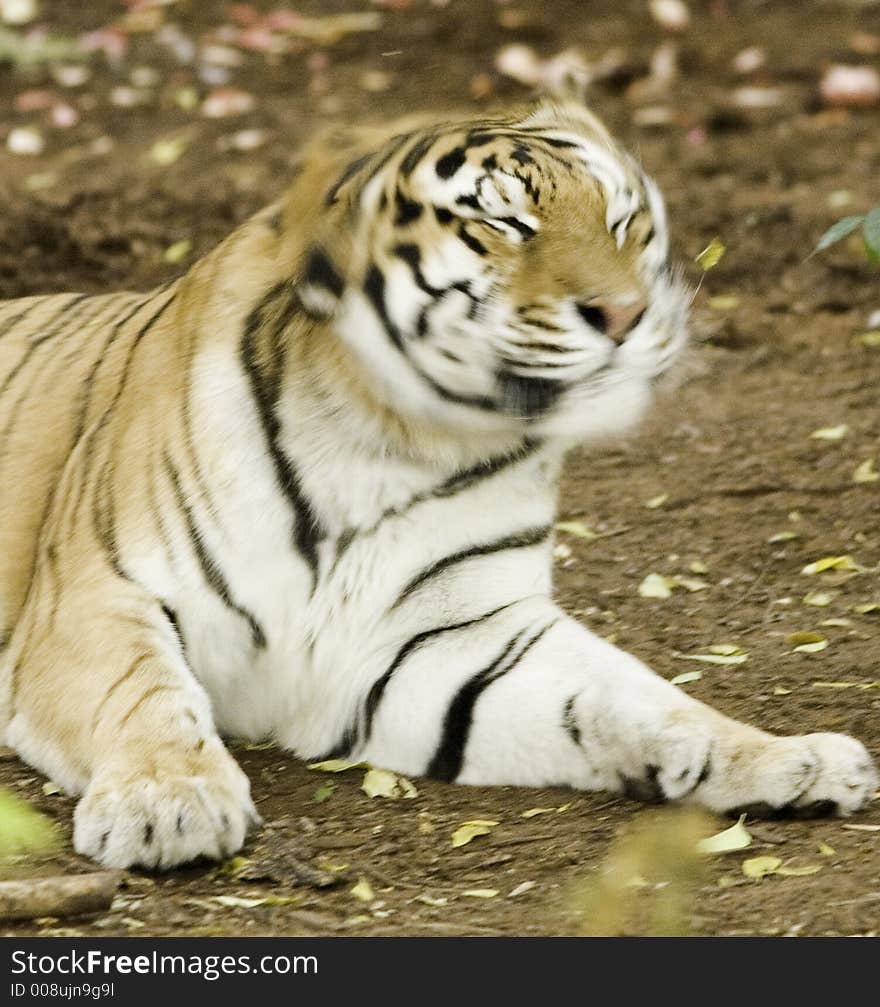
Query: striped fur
[[306, 493]]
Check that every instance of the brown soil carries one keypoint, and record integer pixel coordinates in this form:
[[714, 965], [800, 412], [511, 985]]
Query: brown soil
[[731, 447]]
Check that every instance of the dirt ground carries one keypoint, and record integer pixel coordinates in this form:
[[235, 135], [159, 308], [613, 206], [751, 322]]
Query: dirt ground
[[742, 494]]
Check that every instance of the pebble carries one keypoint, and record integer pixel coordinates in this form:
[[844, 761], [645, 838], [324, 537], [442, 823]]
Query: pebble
[[850, 85], [18, 11], [25, 140], [874, 319]]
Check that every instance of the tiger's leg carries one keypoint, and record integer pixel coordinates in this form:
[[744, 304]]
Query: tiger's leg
[[102, 700], [529, 697]]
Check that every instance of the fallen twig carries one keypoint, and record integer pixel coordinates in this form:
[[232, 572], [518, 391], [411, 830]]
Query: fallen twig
[[63, 896]]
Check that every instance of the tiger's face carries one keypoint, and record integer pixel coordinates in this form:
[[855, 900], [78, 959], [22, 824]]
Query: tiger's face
[[505, 275]]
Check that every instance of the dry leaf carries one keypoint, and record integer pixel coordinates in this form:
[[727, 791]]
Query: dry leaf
[[384, 783], [830, 563], [830, 433], [866, 472], [470, 830], [336, 766], [655, 585], [363, 891], [737, 837], [799, 872], [685, 677], [760, 867], [576, 528]]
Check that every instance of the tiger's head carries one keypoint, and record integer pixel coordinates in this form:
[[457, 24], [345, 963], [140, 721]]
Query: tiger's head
[[500, 275]]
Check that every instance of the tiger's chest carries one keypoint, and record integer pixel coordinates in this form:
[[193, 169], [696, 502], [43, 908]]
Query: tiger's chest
[[306, 623]]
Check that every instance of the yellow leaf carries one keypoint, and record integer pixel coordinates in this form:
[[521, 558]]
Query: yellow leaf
[[698, 567], [779, 690], [685, 677], [862, 828], [336, 766], [470, 830], [830, 563], [656, 586], [49, 788], [481, 893], [168, 150], [818, 598], [783, 536], [532, 812], [657, 501], [760, 867], [796, 639], [363, 891], [737, 837], [577, 529], [811, 648], [384, 783], [826, 850], [871, 340], [724, 302], [866, 609], [830, 433], [866, 472], [711, 255], [847, 685], [740, 658], [691, 584], [178, 251], [800, 872]]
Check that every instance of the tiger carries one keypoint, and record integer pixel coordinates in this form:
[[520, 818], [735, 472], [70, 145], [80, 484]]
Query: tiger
[[306, 492]]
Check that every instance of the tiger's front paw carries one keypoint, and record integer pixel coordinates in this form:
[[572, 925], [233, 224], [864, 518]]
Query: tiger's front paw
[[811, 775], [185, 810]]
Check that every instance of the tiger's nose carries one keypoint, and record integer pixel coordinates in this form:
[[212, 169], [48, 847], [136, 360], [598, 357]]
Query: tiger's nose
[[614, 318]]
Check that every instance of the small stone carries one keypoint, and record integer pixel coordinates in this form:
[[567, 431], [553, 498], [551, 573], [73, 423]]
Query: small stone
[[25, 140]]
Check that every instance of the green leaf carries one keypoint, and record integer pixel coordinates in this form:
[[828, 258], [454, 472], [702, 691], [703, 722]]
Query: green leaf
[[711, 255], [837, 232], [323, 793], [871, 231], [24, 831]]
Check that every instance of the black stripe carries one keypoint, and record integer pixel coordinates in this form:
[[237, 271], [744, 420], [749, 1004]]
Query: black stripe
[[97, 429], [449, 164], [460, 481], [208, 565], [34, 344], [569, 721], [354, 737], [377, 690], [374, 288], [11, 324], [407, 210], [449, 757], [518, 225], [104, 520], [319, 271], [466, 478], [84, 399], [262, 355], [474, 244], [348, 173], [519, 540], [30, 388], [415, 154]]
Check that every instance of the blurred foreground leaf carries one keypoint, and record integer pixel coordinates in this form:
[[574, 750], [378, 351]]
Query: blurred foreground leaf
[[23, 831]]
